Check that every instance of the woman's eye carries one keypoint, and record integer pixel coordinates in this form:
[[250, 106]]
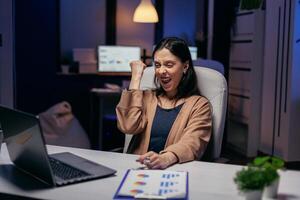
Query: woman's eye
[[157, 65]]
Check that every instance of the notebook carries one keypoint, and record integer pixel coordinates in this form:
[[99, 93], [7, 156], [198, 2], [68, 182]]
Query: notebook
[[26, 147], [153, 184]]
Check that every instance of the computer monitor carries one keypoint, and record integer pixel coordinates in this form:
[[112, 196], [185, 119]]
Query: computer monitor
[[117, 58], [193, 51]]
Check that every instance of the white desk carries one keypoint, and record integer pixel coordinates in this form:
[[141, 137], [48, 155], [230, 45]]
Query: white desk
[[206, 180]]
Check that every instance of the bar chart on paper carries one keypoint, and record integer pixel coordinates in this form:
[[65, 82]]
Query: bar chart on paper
[[154, 183]]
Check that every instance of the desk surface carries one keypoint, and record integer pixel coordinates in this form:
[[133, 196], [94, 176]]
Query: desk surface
[[206, 180]]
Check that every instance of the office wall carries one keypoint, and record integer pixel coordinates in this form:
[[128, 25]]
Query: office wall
[[82, 24], [6, 53], [180, 19], [36, 45], [129, 32]]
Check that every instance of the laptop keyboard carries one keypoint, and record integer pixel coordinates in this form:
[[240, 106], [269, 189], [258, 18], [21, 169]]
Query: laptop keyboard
[[64, 171]]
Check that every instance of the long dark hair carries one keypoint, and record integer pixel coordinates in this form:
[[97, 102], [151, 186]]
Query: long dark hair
[[188, 83]]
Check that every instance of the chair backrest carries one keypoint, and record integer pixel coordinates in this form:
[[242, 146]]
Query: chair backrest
[[213, 86], [212, 64]]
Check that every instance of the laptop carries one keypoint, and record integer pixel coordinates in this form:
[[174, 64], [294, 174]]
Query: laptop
[[26, 147]]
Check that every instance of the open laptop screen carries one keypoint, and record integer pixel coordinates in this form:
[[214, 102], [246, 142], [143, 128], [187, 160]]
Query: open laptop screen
[[117, 58], [27, 150]]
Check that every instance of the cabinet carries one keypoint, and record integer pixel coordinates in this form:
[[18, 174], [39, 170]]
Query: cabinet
[[280, 125], [245, 82]]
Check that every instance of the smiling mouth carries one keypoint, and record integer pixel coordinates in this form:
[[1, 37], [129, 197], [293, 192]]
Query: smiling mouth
[[165, 81]]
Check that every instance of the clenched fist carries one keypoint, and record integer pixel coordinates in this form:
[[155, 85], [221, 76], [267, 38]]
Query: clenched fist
[[137, 70]]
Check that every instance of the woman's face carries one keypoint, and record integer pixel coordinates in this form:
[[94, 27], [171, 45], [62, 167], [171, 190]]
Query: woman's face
[[169, 70]]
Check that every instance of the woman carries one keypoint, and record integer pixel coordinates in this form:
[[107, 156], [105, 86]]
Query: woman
[[172, 123]]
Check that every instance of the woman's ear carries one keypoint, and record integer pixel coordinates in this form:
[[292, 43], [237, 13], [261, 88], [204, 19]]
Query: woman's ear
[[186, 66]]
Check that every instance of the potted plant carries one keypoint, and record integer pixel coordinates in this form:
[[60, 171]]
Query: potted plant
[[270, 165], [65, 63], [250, 181]]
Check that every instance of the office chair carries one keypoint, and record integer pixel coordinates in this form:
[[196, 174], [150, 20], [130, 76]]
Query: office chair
[[213, 86], [212, 64]]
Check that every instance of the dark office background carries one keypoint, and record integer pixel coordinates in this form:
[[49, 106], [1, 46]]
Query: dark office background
[[37, 55]]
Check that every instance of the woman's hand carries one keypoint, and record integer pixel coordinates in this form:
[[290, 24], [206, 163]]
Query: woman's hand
[[158, 161], [137, 70]]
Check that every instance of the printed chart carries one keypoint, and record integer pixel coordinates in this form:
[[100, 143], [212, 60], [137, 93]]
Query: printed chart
[[143, 183]]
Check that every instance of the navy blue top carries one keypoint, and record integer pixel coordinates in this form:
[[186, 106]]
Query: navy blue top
[[162, 123]]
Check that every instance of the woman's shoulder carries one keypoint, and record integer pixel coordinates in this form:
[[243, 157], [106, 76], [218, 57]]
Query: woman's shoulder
[[197, 103], [197, 99]]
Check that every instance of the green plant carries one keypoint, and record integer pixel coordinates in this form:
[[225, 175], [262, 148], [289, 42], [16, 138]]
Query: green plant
[[250, 178], [268, 162], [270, 166], [270, 175]]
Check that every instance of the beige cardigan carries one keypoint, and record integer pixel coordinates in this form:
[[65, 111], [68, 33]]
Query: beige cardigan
[[188, 136]]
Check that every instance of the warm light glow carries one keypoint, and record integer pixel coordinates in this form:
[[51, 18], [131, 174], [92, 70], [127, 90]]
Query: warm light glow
[[145, 12]]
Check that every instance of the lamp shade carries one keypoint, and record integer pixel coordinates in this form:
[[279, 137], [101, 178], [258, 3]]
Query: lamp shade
[[145, 12]]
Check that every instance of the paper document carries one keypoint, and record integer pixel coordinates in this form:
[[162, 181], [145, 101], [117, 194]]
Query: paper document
[[154, 184]]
